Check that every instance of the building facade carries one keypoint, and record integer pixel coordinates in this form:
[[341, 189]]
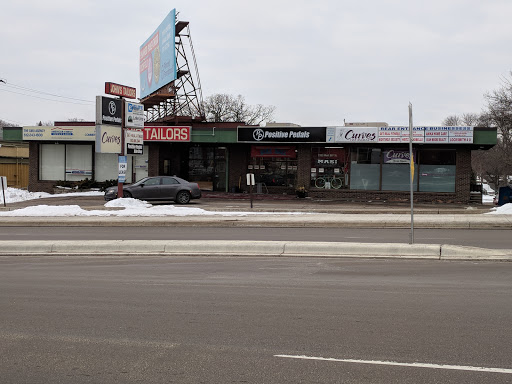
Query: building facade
[[347, 163]]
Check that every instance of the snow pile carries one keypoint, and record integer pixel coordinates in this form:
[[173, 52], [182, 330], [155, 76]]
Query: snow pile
[[136, 208], [14, 195], [127, 203], [505, 209], [132, 207]]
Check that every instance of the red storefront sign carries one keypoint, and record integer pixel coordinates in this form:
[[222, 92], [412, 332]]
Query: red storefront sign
[[288, 152], [120, 90], [167, 133]]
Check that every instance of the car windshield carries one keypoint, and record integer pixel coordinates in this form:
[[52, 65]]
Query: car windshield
[[140, 181]]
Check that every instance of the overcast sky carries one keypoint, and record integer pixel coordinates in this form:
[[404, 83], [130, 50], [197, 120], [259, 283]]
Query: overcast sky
[[318, 62]]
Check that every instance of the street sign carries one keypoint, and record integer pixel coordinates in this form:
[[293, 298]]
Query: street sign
[[123, 166]]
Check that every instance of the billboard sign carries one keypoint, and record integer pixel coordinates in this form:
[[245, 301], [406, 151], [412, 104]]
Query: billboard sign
[[108, 110], [281, 135], [134, 141], [167, 133], [56, 133], [133, 115], [158, 57], [120, 90], [108, 139]]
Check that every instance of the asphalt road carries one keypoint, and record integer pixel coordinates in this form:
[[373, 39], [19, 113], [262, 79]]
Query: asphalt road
[[231, 320], [493, 239]]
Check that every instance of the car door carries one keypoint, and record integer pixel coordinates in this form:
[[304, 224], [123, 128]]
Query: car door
[[169, 189], [149, 190]]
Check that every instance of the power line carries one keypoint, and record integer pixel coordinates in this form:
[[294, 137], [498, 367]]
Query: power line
[[44, 98], [21, 88]]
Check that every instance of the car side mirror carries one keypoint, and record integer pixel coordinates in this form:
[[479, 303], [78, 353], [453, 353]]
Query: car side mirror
[[141, 185]]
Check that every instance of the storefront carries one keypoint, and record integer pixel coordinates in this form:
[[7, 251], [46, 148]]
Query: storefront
[[366, 163], [354, 163]]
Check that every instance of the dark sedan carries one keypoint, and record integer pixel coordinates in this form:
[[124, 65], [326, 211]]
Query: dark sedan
[[158, 188]]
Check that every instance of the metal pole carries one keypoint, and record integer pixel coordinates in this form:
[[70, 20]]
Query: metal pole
[[120, 192], [3, 190], [411, 160]]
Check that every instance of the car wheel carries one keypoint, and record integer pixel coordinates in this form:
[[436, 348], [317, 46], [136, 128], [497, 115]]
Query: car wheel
[[127, 194], [183, 197]]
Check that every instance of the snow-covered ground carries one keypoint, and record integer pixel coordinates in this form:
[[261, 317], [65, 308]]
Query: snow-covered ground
[[134, 207]]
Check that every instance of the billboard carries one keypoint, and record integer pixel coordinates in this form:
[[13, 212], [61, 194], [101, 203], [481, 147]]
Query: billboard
[[158, 57]]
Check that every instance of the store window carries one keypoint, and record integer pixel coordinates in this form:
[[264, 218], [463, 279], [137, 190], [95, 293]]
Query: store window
[[329, 167], [437, 171], [365, 168], [396, 170], [70, 162], [207, 167], [274, 166]]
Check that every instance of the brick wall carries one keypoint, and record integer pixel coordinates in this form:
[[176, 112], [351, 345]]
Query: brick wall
[[34, 184], [153, 159], [463, 175]]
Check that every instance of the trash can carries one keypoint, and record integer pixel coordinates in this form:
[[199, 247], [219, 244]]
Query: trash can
[[505, 196]]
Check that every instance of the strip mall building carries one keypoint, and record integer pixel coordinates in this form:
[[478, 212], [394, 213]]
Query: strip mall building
[[347, 162]]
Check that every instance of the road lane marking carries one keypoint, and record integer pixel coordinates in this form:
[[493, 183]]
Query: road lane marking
[[395, 363]]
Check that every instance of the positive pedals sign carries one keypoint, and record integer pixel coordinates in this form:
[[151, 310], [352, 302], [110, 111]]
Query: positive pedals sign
[[108, 110]]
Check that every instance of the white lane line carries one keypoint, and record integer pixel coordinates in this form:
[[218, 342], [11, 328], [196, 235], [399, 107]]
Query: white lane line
[[416, 365]]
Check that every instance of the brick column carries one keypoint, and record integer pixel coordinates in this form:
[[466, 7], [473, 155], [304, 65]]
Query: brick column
[[463, 175]]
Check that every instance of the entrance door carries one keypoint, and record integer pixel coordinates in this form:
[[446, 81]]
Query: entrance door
[[207, 167]]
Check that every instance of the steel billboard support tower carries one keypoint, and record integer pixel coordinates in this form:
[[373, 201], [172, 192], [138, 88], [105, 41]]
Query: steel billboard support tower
[[181, 100]]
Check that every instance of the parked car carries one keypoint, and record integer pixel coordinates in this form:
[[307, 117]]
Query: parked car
[[158, 188]]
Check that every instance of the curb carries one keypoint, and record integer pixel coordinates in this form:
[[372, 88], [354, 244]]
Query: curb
[[250, 249], [313, 220]]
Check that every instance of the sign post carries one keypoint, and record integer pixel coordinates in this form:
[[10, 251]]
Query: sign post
[[411, 160], [250, 183], [3, 185], [135, 119]]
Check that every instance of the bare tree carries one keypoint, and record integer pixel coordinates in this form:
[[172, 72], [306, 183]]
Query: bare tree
[[451, 121], [499, 113], [495, 165], [6, 124], [45, 123], [466, 119], [223, 107]]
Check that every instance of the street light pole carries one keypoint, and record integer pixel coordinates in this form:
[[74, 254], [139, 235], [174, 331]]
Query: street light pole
[[411, 160]]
